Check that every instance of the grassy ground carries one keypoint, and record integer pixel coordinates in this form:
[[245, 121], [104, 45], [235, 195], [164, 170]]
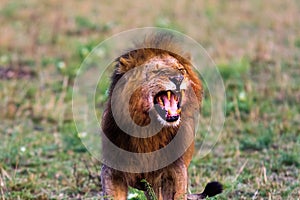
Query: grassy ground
[[255, 44]]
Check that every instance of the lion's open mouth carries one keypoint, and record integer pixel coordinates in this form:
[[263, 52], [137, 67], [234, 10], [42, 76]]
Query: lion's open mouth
[[167, 104]]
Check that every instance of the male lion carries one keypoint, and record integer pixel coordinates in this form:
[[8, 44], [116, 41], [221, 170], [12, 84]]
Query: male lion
[[154, 100]]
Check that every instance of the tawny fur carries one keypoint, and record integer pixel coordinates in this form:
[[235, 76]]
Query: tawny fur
[[169, 182]]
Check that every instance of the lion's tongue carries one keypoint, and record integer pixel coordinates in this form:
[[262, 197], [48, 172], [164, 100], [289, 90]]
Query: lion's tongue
[[170, 105]]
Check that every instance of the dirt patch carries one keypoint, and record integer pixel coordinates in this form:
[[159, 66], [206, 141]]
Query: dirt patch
[[8, 73]]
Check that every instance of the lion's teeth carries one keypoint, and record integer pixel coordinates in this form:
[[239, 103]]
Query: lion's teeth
[[160, 101], [179, 111], [182, 94], [169, 95], [169, 112]]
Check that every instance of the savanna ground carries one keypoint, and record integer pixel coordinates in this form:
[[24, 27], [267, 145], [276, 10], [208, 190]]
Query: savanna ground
[[255, 44]]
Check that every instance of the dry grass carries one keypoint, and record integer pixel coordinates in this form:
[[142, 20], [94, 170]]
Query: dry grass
[[255, 44]]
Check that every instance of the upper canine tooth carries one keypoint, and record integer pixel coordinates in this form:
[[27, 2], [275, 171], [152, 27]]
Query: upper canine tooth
[[160, 101], [182, 94], [169, 95]]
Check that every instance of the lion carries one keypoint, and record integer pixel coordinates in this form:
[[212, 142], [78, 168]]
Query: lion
[[154, 100]]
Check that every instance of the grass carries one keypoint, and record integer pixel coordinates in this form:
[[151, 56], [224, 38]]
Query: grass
[[257, 54]]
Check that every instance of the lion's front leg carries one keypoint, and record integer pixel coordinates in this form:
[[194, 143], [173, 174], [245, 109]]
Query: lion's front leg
[[175, 184], [113, 185]]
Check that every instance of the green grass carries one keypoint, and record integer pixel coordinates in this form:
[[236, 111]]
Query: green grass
[[257, 54]]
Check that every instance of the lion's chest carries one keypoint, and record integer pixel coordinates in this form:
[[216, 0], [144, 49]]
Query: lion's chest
[[151, 144]]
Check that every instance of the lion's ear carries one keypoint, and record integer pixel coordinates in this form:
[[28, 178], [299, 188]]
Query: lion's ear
[[123, 61], [123, 65]]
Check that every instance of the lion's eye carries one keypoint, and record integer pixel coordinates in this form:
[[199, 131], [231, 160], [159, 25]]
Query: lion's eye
[[182, 70]]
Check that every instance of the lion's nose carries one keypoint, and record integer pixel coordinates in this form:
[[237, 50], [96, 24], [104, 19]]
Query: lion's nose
[[176, 80]]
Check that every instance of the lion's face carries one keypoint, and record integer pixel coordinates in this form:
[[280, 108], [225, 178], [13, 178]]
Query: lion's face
[[160, 90], [166, 81], [162, 85]]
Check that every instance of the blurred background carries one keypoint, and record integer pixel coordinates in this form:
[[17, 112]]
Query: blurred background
[[255, 45]]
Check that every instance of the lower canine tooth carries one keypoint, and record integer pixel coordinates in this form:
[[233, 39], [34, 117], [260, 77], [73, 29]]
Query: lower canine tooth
[[179, 111], [169, 112], [176, 98]]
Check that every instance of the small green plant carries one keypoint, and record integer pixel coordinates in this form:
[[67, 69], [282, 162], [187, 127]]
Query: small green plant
[[297, 42], [234, 69], [84, 23], [289, 158], [165, 22], [71, 139], [149, 189], [135, 194], [10, 9], [252, 142]]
